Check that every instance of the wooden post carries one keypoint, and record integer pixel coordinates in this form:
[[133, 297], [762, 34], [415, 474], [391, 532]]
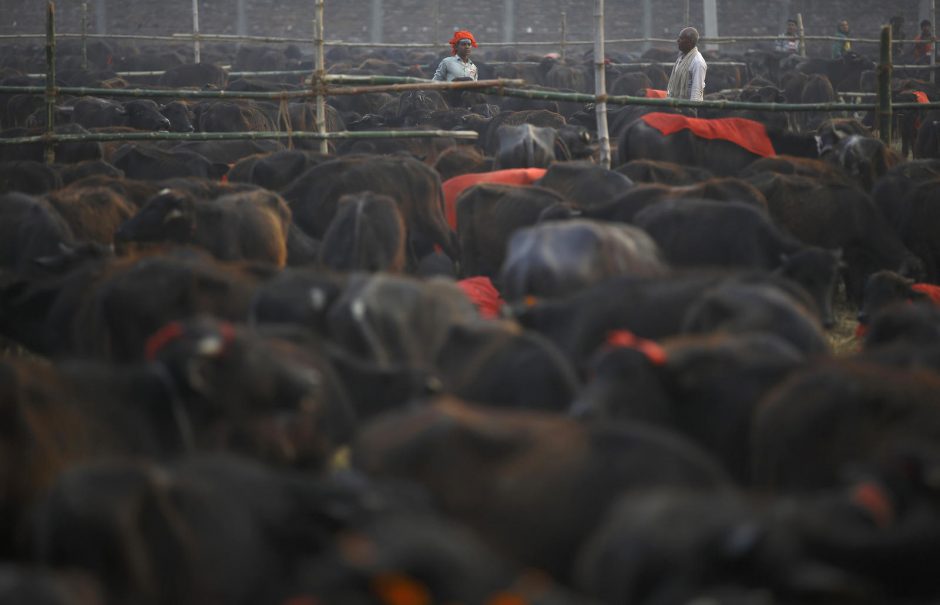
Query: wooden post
[[375, 27], [647, 23], [509, 21], [196, 57], [319, 78], [84, 36], [50, 81], [101, 17], [710, 8], [437, 23], [564, 34], [799, 25], [884, 87], [688, 13], [241, 20], [600, 84], [933, 29]]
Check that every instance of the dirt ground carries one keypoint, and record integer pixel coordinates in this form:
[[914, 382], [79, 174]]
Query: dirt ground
[[842, 337]]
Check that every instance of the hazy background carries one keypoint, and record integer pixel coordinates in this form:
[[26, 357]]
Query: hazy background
[[490, 20]]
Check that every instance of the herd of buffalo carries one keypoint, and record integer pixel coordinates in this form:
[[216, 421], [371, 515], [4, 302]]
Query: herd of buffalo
[[440, 371]]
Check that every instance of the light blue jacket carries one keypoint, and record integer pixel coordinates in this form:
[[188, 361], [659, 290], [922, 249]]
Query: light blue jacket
[[452, 67]]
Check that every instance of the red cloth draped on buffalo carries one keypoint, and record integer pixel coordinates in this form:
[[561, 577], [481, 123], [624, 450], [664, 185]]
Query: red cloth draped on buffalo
[[655, 93], [748, 134], [483, 294], [931, 291], [511, 176]]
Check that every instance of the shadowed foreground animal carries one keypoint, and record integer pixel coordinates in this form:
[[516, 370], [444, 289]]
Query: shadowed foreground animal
[[239, 226]]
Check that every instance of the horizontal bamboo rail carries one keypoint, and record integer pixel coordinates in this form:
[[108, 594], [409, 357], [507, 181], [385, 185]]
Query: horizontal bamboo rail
[[187, 37], [307, 72], [231, 136], [495, 87], [273, 96]]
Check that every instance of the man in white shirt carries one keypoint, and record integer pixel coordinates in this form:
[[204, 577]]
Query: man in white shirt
[[459, 66], [687, 80]]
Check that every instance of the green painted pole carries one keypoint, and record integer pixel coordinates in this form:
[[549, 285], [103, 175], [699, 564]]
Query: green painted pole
[[50, 83], [884, 87]]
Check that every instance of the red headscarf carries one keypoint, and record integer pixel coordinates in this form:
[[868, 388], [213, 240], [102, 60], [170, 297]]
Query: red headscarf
[[461, 35]]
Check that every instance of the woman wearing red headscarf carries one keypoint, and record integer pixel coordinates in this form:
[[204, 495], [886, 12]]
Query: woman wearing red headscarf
[[459, 66]]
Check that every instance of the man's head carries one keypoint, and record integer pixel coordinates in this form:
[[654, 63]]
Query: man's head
[[463, 48], [844, 26], [791, 27], [688, 38], [461, 44], [925, 26]]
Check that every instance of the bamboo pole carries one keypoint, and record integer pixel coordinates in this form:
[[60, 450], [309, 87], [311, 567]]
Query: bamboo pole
[[600, 84], [85, 36], [509, 21], [799, 25], [276, 39], [231, 136], [49, 150], [564, 34], [319, 81], [143, 93], [375, 29], [933, 29], [710, 10], [101, 17], [494, 87], [884, 87], [426, 85], [241, 19], [368, 79], [196, 57]]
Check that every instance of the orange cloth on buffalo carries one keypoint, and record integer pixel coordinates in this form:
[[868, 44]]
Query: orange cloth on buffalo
[[748, 134], [921, 97], [930, 290], [483, 294], [625, 339], [511, 176], [655, 93]]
